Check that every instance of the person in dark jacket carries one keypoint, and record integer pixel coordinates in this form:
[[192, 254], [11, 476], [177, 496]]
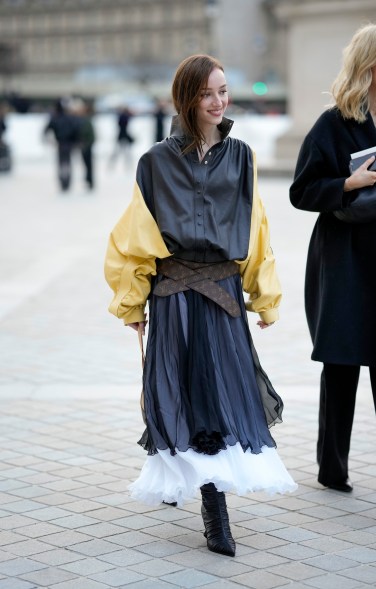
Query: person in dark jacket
[[160, 115], [65, 128], [3, 126], [124, 139], [193, 238], [340, 281], [5, 152]]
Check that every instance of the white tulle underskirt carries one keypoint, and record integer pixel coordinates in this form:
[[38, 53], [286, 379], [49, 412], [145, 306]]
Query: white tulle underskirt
[[178, 478]]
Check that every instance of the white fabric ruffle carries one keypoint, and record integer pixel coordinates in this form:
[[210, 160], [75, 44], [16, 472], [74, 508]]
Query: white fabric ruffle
[[178, 478]]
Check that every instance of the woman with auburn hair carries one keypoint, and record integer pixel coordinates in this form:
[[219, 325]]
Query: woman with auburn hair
[[194, 236], [340, 283]]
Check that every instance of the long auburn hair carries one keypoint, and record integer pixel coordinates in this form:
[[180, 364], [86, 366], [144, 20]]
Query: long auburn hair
[[190, 78], [351, 86]]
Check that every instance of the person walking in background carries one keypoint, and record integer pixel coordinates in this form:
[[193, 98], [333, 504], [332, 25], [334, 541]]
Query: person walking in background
[[194, 236], [86, 141], [3, 126], [160, 117], [5, 152], [65, 128], [124, 139], [340, 281]]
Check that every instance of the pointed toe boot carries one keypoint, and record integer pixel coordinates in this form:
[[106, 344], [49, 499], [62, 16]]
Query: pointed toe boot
[[216, 521]]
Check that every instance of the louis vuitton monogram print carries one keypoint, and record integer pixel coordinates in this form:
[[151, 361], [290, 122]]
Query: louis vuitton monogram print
[[183, 275]]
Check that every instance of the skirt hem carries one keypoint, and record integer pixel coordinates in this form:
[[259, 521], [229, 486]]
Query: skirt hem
[[178, 478]]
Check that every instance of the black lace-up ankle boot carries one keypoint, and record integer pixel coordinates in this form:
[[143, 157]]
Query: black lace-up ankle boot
[[216, 522]]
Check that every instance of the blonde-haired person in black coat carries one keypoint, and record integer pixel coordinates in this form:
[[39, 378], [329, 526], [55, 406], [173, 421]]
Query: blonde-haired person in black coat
[[340, 280]]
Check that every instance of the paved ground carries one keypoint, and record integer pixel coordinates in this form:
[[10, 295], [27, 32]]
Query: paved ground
[[69, 419]]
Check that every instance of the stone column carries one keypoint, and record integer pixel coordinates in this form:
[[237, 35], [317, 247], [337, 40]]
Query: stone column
[[318, 32]]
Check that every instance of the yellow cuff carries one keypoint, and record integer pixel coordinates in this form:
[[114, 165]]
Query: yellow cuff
[[269, 316], [134, 315]]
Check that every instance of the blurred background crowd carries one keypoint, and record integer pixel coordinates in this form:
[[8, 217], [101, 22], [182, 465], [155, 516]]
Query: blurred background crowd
[[93, 76]]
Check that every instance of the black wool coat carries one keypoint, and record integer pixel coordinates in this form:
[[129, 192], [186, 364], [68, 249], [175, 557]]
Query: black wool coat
[[340, 285]]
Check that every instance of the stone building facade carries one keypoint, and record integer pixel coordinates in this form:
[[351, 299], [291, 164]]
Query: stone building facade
[[70, 44], [96, 46], [318, 31]]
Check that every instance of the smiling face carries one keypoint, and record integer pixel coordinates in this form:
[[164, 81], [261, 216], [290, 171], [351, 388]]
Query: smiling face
[[200, 98], [213, 101]]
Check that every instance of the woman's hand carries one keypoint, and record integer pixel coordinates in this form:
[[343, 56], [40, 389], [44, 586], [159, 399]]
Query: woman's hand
[[361, 177], [138, 325], [264, 325]]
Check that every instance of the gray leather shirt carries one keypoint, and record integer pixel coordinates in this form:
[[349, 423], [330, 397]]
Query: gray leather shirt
[[203, 209]]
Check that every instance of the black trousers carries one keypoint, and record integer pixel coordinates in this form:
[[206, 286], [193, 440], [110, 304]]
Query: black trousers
[[339, 384], [87, 158], [64, 164]]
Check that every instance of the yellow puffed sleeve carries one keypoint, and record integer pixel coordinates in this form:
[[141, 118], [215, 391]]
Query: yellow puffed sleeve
[[258, 271], [133, 247]]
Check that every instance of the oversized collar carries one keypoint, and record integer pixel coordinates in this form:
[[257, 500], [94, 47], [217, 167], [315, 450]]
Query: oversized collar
[[177, 131]]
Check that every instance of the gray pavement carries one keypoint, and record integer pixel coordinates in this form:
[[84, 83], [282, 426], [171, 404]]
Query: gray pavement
[[69, 419]]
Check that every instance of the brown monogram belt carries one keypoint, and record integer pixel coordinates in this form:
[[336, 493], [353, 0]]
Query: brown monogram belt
[[183, 275]]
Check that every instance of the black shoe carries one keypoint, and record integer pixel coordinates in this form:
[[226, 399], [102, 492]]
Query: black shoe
[[345, 487], [173, 503], [216, 522]]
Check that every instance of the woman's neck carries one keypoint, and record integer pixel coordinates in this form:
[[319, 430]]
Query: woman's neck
[[211, 137]]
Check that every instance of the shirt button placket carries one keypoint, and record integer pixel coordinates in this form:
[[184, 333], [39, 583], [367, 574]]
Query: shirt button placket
[[199, 208], [200, 212]]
